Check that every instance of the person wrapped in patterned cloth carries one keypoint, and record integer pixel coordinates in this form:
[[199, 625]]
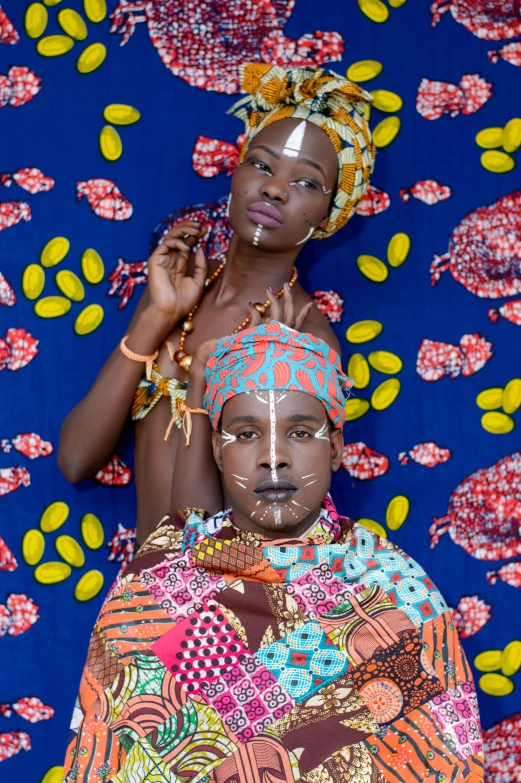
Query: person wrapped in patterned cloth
[[276, 640]]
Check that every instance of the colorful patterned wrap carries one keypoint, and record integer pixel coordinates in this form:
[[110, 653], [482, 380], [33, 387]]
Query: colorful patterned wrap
[[326, 99], [273, 356], [222, 657]]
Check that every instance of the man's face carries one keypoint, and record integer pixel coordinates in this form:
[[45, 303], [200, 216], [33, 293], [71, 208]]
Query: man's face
[[276, 450]]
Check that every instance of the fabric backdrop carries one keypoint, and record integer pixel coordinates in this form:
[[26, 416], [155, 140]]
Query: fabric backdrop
[[182, 83]]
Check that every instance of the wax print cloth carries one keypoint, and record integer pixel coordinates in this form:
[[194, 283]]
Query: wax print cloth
[[221, 656], [436, 465]]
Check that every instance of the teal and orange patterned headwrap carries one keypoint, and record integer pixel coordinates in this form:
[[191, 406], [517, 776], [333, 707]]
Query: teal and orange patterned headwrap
[[273, 356], [328, 100]]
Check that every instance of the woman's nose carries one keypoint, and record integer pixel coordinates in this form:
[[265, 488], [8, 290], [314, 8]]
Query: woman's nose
[[274, 189]]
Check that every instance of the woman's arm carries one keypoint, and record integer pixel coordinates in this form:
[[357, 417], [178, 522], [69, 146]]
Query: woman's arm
[[92, 429]]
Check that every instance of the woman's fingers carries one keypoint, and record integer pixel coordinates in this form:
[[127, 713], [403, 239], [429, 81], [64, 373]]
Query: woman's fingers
[[255, 316], [200, 267], [302, 315], [275, 312], [289, 307]]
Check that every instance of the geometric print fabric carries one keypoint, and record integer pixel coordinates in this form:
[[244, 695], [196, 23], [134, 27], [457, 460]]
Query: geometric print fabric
[[302, 675]]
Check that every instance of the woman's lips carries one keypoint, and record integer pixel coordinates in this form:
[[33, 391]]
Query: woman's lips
[[265, 214]]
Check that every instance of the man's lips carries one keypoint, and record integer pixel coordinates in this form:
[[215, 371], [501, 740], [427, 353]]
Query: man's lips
[[265, 214], [275, 491]]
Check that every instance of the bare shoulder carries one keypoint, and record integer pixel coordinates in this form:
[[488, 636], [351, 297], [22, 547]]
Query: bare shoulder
[[318, 326]]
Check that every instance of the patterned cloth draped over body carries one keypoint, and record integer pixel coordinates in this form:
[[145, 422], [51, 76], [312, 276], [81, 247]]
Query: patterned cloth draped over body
[[149, 392], [222, 657]]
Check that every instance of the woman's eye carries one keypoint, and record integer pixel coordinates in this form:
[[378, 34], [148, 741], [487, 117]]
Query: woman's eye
[[306, 183], [260, 165]]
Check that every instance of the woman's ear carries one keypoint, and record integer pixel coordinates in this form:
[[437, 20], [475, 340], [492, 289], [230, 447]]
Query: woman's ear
[[337, 448], [217, 445], [323, 223]]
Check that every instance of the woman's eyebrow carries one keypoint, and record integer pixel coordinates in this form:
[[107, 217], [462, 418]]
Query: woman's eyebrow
[[312, 163], [299, 160]]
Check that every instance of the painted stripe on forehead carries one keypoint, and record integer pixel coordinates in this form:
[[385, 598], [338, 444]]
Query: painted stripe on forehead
[[294, 141]]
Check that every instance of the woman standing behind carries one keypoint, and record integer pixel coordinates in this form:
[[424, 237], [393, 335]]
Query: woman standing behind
[[304, 166]]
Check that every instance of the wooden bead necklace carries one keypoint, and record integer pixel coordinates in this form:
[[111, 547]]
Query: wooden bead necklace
[[181, 356]]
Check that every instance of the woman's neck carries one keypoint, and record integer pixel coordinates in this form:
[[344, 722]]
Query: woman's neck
[[250, 270]]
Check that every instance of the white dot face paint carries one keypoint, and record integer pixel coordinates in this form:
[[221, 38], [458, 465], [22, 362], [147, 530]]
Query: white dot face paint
[[277, 514], [294, 141], [273, 436], [257, 234], [228, 438]]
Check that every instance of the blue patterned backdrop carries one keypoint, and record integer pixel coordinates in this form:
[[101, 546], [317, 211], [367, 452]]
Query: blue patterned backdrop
[[51, 116]]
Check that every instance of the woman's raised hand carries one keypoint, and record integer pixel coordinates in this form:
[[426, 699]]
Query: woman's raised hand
[[173, 292], [282, 310]]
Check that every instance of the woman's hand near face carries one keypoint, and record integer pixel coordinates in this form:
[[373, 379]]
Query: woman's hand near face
[[173, 292]]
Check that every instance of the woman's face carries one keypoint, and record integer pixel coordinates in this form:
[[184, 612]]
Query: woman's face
[[283, 189], [276, 451]]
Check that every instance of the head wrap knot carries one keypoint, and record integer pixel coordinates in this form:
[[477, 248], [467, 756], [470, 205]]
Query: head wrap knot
[[273, 356], [326, 99]]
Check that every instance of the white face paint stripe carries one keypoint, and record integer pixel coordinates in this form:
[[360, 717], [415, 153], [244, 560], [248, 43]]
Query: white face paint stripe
[[281, 398], [261, 399], [323, 433], [277, 515], [308, 476], [298, 504], [273, 437], [228, 438], [241, 477], [307, 235], [241, 485], [294, 141], [257, 234], [310, 482]]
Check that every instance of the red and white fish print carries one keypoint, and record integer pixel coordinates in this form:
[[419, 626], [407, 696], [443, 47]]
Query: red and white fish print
[[434, 99], [212, 156], [204, 43], [17, 349], [484, 250], [373, 202], [122, 545], [31, 180], [502, 750], [19, 86], [7, 295], [125, 277], [511, 311], [115, 473], [29, 444], [29, 708], [427, 190], [212, 216], [362, 462], [510, 574], [12, 742], [492, 20], [511, 53], [484, 512], [436, 359], [330, 304], [8, 32], [428, 454], [12, 212], [12, 479], [471, 614], [7, 559], [105, 199], [17, 615]]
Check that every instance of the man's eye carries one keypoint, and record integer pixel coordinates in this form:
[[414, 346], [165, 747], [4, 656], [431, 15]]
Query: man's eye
[[248, 435], [300, 434]]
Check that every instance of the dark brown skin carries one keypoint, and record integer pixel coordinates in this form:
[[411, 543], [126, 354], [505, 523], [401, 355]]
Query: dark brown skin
[[302, 460], [91, 432]]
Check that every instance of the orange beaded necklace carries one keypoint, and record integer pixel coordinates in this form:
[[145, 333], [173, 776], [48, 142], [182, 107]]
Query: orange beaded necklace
[[181, 356]]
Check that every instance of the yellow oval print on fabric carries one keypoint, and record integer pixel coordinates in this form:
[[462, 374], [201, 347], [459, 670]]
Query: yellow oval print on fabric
[[355, 407], [375, 10], [364, 70], [33, 281], [386, 131], [372, 268], [488, 660], [110, 143], [92, 266], [385, 362], [54, 516], [95, 10], [497, 423], [489, 138], [385, 394], [33, 547], [35, 20], [89, 585], [511, 397], [396, 512], [398, 249], [358, 370], [511, 658], [70, 285], [511, 137], [496, 684], [387, 101], [121, 114], [89, 319], [54, 251], [497, 161], [363, 331], [54, 45], [91, 58], [52, 306], [51, 573], [92, 531], [72, 23], [373, 526], [490, 399], [69, 549]]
